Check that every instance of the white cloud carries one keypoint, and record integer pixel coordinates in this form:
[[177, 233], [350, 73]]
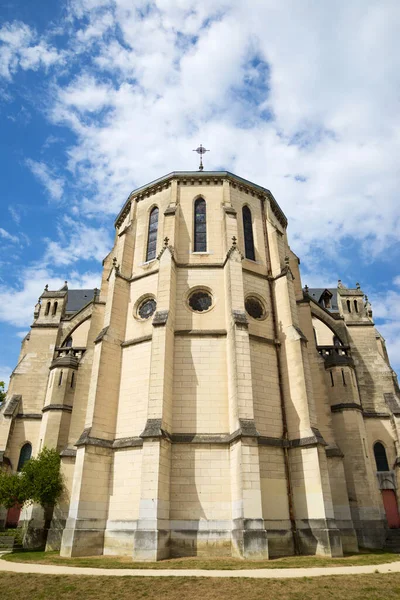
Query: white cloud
[[17, 303], [77, 242], [20, 50], [182, 72], [53, 184], [16, 217], [8, 236]]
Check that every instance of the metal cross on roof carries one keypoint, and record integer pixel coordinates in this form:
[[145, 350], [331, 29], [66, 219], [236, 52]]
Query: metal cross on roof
[[201, 150]]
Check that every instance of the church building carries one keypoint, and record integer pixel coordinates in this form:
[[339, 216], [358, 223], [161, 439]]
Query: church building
[[203, 401]]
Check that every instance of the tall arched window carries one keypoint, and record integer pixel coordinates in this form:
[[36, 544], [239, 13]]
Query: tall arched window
[[380, 457], [348, 305], [356, 305], [24, 455], [55, 305], [248, 234], [200, 226], [152, 235], [47, 309]]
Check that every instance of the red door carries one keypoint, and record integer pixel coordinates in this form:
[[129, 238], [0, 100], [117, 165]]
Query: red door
[[392, 512], [13, 516]]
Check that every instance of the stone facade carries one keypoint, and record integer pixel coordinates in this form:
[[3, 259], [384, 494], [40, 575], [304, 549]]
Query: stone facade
[[211, 431]]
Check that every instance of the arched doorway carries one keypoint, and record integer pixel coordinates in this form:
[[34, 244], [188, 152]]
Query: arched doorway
[[387, 486], [14, 512]]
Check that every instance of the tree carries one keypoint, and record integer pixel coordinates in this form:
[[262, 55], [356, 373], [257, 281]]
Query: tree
[[2, 392], [11, 489], [42, 480]]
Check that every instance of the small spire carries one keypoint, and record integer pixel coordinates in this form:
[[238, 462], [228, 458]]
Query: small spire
[[358, 286], [306, 289], [201, 150], [46, 287]]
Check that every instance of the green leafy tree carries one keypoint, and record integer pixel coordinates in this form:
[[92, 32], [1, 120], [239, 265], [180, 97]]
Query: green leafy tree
[[2, 392], [42, 481], [11, 489]]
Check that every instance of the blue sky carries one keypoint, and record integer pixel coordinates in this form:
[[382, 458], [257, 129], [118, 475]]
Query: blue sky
[[98, 97]]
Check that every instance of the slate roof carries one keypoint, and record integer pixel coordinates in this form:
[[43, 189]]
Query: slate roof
[[316, 294], [77, 299]]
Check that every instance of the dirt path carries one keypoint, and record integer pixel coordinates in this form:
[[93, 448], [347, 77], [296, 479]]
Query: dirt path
[[14, 567]]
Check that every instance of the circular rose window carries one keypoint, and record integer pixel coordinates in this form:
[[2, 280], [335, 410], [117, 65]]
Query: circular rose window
[[254, 308], [147, 308], [200, 301]]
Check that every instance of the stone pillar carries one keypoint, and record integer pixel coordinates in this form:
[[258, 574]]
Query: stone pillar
[[152, 535], [312, 501], [249, 537], [84, 531], [334, 454]]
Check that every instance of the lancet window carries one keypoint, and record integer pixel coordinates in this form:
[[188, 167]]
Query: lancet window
[[200, 225], [248, 234], [380, 457], [24, 455], [152, 235]]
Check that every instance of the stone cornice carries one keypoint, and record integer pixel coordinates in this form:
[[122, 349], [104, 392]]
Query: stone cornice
[[201, 178], [62, 407]]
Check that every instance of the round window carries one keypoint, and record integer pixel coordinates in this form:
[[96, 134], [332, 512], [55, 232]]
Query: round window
[[254, 308], [147, 308], [200, 301]]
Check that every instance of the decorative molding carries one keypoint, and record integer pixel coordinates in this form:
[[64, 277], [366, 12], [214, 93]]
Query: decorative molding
[[101, 335], [87, 440], [376, 415], [170, 210], [248, 428], [205, 178], [200, 265], [12, 405], [312, 440], [153, 429], [128, 442], [333, 451], [65, 362], [136, 341], [68, 452], [63, 407], [229, 210], [142, 275], [356, 324], [201, 332], [160, 318], [239, 318], [45, 325], [264, 440], [345, 406], [125, 229], [29, 416]]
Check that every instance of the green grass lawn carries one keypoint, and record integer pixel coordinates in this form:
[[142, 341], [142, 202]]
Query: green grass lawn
[[124, 562], [16, 586]]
